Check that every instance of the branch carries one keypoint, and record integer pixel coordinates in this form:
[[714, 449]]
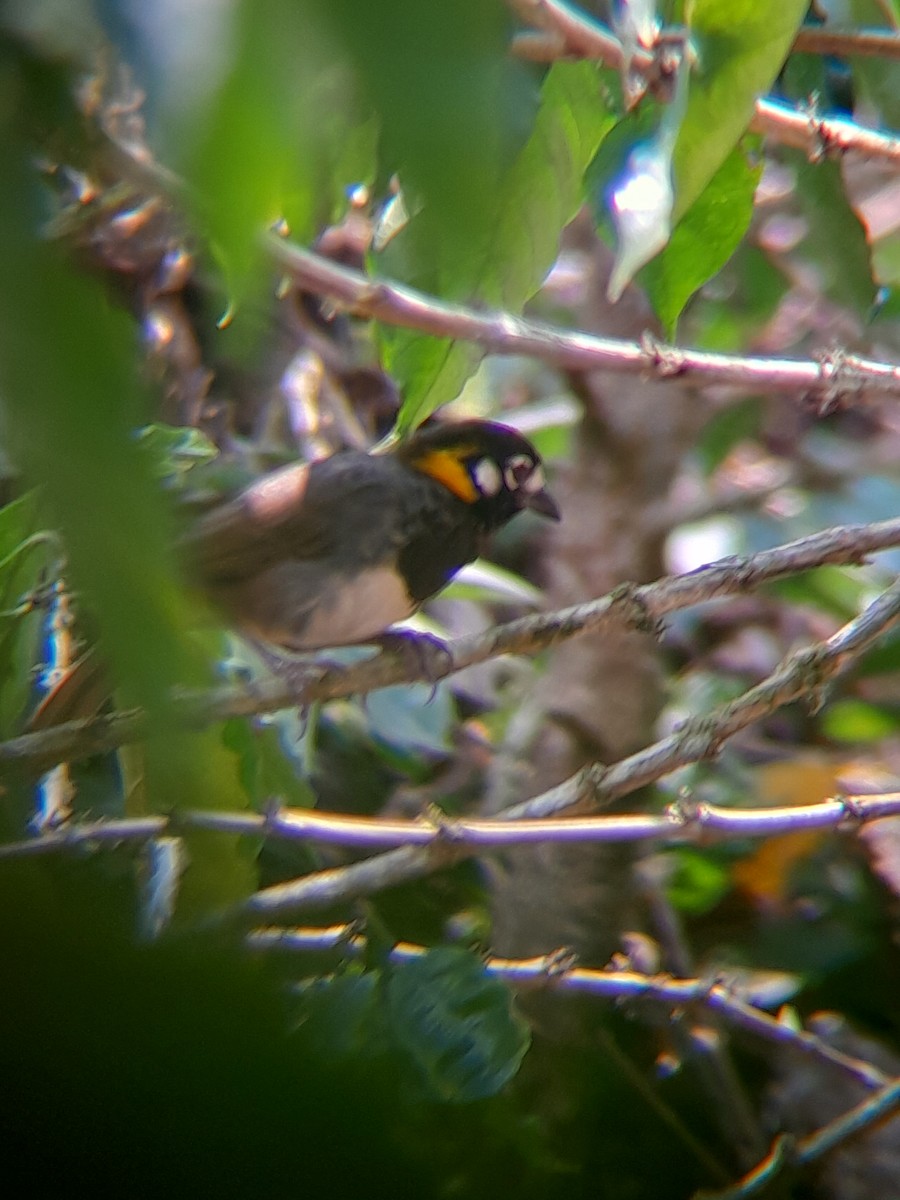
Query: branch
[[828, 377], [679, 822], [785, 1152], [555, 972], [850, 43], [643, 606], [567, 33], [801, 675], [819, 136]]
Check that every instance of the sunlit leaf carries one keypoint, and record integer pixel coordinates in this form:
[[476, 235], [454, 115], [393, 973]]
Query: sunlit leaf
[[512, 245], [704, 239], [741, 46]]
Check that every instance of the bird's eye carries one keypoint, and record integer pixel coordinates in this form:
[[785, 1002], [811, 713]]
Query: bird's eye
[[521, 472], [487, 476]]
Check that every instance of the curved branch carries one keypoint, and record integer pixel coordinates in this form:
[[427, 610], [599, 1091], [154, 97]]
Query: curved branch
[[820, 137], [833, 375], [641, 606]]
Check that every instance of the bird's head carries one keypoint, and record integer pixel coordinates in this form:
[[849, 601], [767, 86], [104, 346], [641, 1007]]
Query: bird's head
[[489, 466]]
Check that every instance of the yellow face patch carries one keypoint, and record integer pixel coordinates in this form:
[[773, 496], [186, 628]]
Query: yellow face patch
[[448, 468]]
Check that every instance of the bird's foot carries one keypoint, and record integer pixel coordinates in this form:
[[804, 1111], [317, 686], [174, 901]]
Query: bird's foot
[[422, 654]]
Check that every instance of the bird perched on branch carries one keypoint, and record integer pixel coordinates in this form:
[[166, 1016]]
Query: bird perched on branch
[[334, 552]]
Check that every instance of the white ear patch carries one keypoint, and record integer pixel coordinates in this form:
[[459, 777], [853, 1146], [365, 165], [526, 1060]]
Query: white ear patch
[[487, 476]]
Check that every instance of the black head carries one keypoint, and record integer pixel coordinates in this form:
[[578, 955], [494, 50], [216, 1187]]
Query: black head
[[489, 466]]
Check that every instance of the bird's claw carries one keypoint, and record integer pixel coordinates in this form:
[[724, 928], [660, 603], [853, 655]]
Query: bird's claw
[[422, 654]]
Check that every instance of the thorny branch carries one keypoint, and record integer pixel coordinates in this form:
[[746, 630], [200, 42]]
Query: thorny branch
[[680, 822], [502, 333], [643, 606]]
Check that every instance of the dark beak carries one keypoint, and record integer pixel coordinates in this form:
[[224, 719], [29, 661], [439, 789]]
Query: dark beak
[[542, 502]]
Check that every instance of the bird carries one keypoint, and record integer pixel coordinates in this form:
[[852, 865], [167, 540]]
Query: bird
[[337, 551]]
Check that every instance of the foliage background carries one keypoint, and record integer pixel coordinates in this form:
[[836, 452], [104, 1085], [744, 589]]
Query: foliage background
[[137, 292]]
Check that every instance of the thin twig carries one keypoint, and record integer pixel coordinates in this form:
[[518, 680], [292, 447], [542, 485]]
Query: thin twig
[[827, 377], [679, 822], [820, 137], [641, 606], [850, 43], [786, 1152]]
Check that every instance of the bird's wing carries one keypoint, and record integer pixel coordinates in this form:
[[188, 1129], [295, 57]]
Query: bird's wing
[[301, 513]]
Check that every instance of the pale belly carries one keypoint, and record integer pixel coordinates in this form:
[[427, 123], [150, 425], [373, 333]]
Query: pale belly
[[376, 599], [291, 609]]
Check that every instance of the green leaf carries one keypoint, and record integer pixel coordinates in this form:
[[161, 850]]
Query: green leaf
[[453, 106], [726, 429], [343, 1018], [24, 557], [545, 186], [485, 581], [697, 883], [837, 590], [174, 451], [430, 371], [724, 317], [457, 1025], [268, 775], [857, 721], [513, 243], [264, 146], [70, 387], [879, 77], [741, 46], [836, 238], [704, 239]]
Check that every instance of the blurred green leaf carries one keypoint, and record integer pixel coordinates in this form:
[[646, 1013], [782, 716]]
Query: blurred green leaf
[[738, 302], [254, 151], [25, 554], [879, 78], [857, 721], [511, 245], [836, 238], [729, 426], [837, 590], [174, 451], [69, 384], [267, 773], [343, 1017], [741, 46], [457, 1025], [698, 882], [453, 106], [542, 191], [483, 580]]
